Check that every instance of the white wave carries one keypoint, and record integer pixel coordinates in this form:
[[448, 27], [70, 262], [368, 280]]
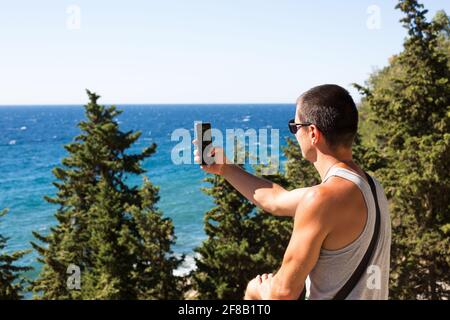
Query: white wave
[[23, 128], [187, 266], [12, 142]]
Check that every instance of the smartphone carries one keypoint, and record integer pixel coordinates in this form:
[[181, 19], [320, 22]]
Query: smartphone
[[204, 141]]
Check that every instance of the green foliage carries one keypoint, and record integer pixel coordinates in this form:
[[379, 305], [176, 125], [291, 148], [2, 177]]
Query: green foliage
[[241, 243], [11, 280], [113, 232], [408, 104], [299, 172]]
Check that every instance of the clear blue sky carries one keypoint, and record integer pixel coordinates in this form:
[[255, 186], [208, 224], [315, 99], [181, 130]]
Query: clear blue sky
[[194, 51]]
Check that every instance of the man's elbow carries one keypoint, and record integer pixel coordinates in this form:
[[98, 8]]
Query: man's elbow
[[265, 202], [271, 201]]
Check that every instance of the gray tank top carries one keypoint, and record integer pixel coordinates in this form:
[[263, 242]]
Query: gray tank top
[[334, 267]]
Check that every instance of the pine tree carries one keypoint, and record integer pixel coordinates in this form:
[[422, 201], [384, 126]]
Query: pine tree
[[111, 231], [299, 173], [408, 104], [11, 278], [241, 243]]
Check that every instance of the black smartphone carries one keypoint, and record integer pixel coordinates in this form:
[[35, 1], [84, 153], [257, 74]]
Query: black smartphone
[[204, 141]]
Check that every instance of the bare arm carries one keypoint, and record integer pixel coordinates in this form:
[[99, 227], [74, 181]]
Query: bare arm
[[265, 194], [311, 227]]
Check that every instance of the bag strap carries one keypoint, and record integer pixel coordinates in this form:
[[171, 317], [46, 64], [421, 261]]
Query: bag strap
[[362, 267]]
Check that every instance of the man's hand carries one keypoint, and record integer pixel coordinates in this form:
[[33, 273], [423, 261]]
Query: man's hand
[[220, 161], [259, 287], [251, 293]]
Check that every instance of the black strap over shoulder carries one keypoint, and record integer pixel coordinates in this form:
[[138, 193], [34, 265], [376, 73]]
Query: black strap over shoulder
[[362, 267]]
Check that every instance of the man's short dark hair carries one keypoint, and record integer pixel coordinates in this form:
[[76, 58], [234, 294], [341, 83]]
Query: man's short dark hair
[[332, 109]]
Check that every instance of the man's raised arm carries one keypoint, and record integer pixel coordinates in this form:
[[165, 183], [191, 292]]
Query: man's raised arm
[[265, 194]]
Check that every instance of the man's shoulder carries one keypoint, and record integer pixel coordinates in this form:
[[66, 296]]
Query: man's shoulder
[[316, 200], [326, 199], [314, 209], [321, 193]]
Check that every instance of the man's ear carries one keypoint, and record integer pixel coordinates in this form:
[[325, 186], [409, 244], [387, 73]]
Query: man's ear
[[314, 134]]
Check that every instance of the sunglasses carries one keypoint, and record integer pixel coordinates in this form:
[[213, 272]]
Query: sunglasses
[[293, 127]]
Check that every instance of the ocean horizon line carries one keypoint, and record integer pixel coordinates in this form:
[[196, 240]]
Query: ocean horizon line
[[151, 104]]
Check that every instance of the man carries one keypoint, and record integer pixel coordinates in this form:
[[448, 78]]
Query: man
[[333, 221]]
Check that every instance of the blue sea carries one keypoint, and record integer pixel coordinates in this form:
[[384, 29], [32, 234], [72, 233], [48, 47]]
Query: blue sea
[[32, 140]]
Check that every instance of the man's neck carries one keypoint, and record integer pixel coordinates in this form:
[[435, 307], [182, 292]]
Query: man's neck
[[325, 162]]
